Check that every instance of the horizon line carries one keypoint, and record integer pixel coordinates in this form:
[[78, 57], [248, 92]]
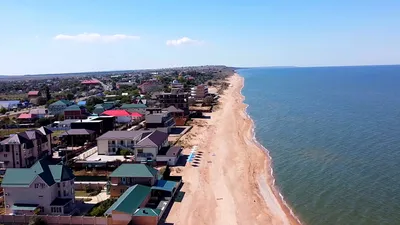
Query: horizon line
[[176, 67]]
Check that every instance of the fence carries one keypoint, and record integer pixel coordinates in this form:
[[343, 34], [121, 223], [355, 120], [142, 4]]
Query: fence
[[56, 220]]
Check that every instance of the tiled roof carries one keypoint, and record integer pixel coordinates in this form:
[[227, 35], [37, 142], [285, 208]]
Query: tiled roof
[[33, 93], [156, 138], [117, 112], [134, 170], [134, 135], [136, 114], [62, 102], [173, 109], [130, 200], [23, 177], [44, 130], [26, 116], [38, 111], [73, 108], [133, 106], [165, 185]]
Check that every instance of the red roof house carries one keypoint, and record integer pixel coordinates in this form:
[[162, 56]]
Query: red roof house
[[122, 116], [90, 82], [33, 93]]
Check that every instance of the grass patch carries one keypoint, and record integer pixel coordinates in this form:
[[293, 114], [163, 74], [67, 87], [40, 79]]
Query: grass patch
[[7, 132]]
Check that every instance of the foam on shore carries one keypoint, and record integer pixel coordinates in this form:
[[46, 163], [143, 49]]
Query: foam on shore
[[272, 186]]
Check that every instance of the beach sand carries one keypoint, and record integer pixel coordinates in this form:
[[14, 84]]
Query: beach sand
[[230, 181]]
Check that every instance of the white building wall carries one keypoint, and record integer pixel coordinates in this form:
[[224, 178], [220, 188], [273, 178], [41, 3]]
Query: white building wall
[[102, 147], [31, 195]]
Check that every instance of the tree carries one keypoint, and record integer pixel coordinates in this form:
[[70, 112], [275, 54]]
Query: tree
[[35, 220], [61, 117], [3, 110], [208, 100], [49, 102], [47, 91], [70, 96], [41, 101], [209, 83], [42, 122], [126, 99]]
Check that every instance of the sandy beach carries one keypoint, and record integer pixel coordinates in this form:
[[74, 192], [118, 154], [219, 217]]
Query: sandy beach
[[230, 180]]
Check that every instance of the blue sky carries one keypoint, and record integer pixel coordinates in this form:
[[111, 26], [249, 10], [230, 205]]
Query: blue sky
[[39, 36]]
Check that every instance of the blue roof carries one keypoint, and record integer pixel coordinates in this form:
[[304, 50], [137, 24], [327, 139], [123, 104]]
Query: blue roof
[[164, 185], [82, 103]]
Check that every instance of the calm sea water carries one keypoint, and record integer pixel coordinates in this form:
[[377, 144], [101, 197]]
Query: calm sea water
[[334, 136]]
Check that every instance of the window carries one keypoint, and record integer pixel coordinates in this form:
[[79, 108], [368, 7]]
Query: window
[[132, 142], [63, 184], [17, 163], [139, 150], [36, 185], [72, 182], [16, 153], [113, 142], [58, 184], [5, 155], [40, 196], [122, 142], [59, 194], [42, 185], [65, 193]]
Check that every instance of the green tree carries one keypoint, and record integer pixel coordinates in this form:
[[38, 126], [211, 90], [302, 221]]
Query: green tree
[[51, 101], [35, 220], [70, 96], [3, 110], [41, 101], [61, 117], [126, 99], [47, 91]]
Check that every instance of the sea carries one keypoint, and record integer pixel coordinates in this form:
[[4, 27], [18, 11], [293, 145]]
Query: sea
[[334, 137]]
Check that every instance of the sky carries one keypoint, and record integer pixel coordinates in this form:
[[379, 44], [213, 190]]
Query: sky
[[48, 36]]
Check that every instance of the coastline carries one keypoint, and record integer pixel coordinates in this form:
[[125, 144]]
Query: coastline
[[230, 181], [270, 181]]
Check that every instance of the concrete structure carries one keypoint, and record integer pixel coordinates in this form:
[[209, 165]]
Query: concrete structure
[[199, 92], [144, 144], [98, 124], [58, 107], [41, 189], [177, 98], [23, 149], [162, 121]]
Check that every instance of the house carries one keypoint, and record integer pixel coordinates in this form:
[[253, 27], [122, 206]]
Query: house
[[150, 86], [78, 137], [58, 107], [24, 149], [140, 108], [162, 121], [81, 103], [75, 112], [178, 114], [90, 82], [131, 202], [122, 116], [98, 109], [39, 113], [98, 124], [41, 189], [26, 118], [144, 144], [176, 98], [127, 175], [199, 92], [176, 84], [33, 97]]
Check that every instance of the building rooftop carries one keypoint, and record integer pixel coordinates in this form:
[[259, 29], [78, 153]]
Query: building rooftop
[[78, 132], [143, 137], [33, 93], [156, 117], [23, 177], [134, 170], [173, 109], [133, 106], [74, 108], [130, 200]]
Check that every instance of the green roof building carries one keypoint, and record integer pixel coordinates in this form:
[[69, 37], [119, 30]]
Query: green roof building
[[44, 187]]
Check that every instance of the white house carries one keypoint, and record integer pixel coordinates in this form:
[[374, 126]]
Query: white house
[[41, 189], [122, 116]]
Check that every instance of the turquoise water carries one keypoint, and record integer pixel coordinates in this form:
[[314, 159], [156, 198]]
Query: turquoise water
[[334, 137]]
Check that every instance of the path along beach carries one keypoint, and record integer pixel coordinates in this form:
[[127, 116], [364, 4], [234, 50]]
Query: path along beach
[[230, 180]]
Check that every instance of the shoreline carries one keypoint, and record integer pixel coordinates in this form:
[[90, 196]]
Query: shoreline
[[230, 179], [263, 177]]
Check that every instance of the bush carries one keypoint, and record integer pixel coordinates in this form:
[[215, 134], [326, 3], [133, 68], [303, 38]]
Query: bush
[[35, 220], [101, 207]]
